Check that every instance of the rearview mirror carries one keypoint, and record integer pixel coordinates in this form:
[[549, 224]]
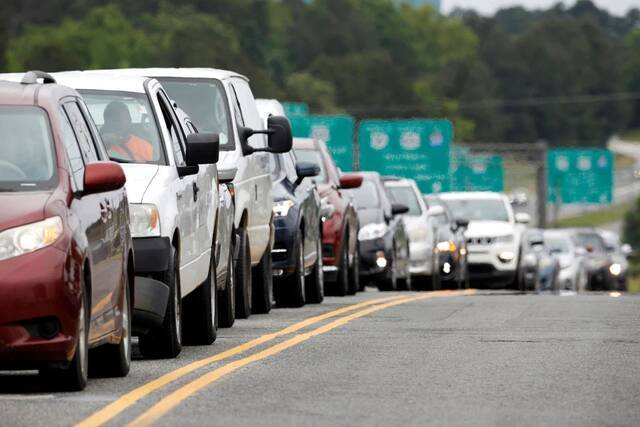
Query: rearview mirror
[[202, 149], [280, 137], [399, 209], [350, 180], [100, 177], [305, 170], [523, 218]]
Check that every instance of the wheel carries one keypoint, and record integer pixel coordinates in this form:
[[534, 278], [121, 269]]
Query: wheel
[[114, 360], [354, 273], [243, 276], [341, 286], [436, 279], [291, 291], [227, 300], [262, 279], [200, 314], [74, 377], [165, 341], [315, 281]]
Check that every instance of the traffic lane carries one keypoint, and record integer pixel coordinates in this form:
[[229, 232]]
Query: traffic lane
[[24, 397], [488, 359]]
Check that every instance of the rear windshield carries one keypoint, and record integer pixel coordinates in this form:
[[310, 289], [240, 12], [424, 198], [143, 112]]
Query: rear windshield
[[558, 244], [27, 159], [478, 209], [205, 103], [367, 195], [312, 156], [406, 196], [590, 239], [127, 126]]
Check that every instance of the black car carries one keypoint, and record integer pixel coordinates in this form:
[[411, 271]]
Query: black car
[[450, 244], [382, 240], [597, 260], [297, 264]]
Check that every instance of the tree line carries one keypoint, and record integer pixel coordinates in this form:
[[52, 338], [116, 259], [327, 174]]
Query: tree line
[[568, 75]]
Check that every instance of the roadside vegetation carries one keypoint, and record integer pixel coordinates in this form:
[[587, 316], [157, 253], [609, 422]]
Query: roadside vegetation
[[608, 215]]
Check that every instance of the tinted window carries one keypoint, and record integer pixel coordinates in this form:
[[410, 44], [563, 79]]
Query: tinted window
[[171, 123], [27, 159], [85, 141], [74, 156], [127, 126], [366, 196], [478, 209], [313, 156], [406, 196], [590, 239], [205, 102]]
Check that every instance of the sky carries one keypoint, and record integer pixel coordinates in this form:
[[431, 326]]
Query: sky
[[488, 7]]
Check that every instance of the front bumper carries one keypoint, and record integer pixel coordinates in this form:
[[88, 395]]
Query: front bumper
[[39, 309], [370, 252], [283, 255], [485, 265]]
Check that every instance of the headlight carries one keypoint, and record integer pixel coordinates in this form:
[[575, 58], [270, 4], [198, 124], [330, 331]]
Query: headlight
[[28, 238], [282, 207], [504, 239], [446, 246], [372, 231], [506, 256], [615, 269], [145, 220]]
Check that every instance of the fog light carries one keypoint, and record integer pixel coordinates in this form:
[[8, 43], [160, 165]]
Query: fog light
[[615, 269], [381, 261], [446, 268], [278, 272], [506, 256]]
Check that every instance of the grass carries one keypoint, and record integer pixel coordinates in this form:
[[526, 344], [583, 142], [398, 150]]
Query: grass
[[609, 215], [631, 135], [634, 285], [624, 162]]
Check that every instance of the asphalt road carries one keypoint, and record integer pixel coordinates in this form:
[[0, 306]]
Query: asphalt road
[[489, 358]]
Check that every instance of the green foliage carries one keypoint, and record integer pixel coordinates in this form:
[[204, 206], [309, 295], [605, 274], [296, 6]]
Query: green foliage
[[320, 95], [631, 227]]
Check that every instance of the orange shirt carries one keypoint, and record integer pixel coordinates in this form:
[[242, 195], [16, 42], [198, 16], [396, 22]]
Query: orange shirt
[[135, 149]]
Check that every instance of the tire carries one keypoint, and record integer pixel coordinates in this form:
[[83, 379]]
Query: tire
[[74, 377], [341, 286], [315, 281], [436, 279], [227, 297], [243, 276], [114, 360], [165, 341], [262, 279], [354, 273], [200, 313], [291, 291]]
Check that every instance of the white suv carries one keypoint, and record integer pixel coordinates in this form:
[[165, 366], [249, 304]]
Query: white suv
[[173, 199], [222, 102], [493, 235]]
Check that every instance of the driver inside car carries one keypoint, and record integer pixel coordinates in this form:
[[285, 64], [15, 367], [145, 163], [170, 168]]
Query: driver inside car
[[119, 137]]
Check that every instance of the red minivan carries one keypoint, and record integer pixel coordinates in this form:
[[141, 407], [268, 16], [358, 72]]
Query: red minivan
[[340, 224], [66, 258]]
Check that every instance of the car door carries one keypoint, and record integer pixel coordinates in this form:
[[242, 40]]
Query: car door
[[95, 218], [305, 192]]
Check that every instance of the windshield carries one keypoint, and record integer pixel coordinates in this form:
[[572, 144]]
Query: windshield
[[558, 245], [590, 239], [205, 103], [313, 156], [27, 160], [479, 209], [406, 196], [366, 196], [127, 126]]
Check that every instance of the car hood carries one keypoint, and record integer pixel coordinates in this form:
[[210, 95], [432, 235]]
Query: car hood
[[22, 208], [368, 216], [489, 229], [139, 176]]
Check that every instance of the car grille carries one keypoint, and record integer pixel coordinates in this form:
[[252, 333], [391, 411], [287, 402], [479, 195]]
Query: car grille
[[481, 240], [481, 269]]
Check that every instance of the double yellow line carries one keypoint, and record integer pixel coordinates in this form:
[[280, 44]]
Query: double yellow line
[[175, 398]]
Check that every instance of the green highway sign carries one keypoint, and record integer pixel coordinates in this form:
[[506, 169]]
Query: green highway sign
[[477, 173], [580, 176], [417, 149], [295, 108], [336, 131]]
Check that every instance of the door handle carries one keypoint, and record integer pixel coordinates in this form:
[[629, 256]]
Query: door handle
[[196, 189]]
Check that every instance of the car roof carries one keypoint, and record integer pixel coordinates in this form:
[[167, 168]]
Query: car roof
[[14, 92], [472, 195], [159, 72], [100, 81]]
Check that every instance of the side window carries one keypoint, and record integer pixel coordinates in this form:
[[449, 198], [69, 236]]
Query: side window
[[83, 135], [95, 133], [237, 112], [73, 152], [170, 121], [290, 166], [249, 110]]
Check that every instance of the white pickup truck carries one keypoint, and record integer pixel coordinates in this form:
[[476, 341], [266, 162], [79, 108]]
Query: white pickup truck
[[222, 102], [173, 198]]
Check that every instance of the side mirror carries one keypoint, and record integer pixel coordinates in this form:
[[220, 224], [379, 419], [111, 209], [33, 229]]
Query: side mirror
[[100, 177], [306, 170], [399, 209], [626, 250], [350, 180], [462, 223], [225, 176], [523, 218], [279, 134], [435, 211], [202, 149]]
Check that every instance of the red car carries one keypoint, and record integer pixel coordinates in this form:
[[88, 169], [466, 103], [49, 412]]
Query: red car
[[340, 219], [66, 258]]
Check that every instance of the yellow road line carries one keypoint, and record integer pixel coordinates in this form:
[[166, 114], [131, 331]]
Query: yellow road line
[[129, 399], [174, 399]]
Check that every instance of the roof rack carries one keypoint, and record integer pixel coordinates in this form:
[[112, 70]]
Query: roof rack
[[31, 77]]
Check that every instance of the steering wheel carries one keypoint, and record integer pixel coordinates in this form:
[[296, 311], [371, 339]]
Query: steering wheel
[[14, 170]]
